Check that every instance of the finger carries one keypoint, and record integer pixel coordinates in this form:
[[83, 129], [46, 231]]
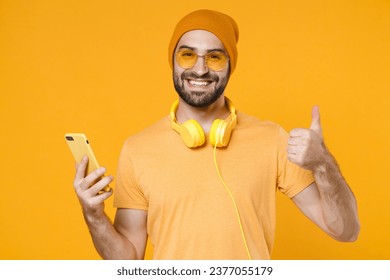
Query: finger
[[315, 120], [293, 158], [81, 168], [299, 132], [291, 150], [103, 182], [91, 178], [98, 199], [294, 141]]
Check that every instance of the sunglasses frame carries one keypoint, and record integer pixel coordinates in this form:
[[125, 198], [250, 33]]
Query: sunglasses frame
[[205, 57]]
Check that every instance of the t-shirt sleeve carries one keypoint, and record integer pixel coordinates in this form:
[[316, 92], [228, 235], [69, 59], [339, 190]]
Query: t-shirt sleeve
[[292, 179], [128, 194]]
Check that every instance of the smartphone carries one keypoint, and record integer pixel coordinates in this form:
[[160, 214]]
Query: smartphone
[[79, 146]]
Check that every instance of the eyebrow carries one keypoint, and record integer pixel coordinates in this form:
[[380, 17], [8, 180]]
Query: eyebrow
[[195, 49]]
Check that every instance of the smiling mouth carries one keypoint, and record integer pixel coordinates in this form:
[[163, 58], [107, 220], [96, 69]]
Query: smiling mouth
[[199, 83]]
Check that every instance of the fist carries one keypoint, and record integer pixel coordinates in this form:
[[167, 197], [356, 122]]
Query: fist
[[305, 146]]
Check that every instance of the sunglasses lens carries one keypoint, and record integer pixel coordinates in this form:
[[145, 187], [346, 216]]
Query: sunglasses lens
[[186, 58], [215, 60]]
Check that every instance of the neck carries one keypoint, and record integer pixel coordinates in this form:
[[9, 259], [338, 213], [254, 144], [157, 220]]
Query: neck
[[204, 116]]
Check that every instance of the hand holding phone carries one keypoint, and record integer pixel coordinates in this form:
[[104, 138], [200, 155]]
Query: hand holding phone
[[80, 147]]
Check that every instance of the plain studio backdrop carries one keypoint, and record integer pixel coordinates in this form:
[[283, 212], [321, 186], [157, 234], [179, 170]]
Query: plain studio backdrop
[[101, 67]]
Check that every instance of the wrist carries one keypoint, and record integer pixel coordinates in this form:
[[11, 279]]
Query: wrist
[[327, 172], [94, 217], [323, 161]]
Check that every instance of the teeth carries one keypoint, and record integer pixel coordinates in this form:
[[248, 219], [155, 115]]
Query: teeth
[[198, 83]]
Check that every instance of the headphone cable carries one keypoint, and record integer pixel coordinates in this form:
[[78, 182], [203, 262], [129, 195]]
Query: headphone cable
[[234, 202]]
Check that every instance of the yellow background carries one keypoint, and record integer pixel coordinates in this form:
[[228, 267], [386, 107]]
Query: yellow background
[[100, 67]]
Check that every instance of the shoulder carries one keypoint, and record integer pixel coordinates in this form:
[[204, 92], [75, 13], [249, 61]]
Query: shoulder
[[151, 136], [251, 124], [160, 127]]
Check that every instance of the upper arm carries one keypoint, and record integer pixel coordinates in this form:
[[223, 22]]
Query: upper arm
[[309, 202], [131, 223]]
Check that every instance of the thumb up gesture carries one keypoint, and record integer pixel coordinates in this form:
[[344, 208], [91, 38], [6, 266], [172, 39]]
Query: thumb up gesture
[[306, 146]]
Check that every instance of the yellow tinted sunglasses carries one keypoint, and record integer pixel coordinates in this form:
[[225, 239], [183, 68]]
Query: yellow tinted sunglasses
[[215, 60]]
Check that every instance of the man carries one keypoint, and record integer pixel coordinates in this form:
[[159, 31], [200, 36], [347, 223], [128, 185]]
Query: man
[[196, 201]]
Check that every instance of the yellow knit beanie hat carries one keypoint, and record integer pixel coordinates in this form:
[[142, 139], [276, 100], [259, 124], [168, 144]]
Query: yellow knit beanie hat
[[221, 25]]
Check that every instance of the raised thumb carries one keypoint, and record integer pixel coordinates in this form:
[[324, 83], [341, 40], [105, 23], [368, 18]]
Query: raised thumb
[[315, 120]]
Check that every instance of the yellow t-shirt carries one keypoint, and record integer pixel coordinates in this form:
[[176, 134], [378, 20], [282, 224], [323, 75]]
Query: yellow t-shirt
[[190, 213]]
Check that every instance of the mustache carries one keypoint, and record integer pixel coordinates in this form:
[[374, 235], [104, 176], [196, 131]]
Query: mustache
[[193, 76]]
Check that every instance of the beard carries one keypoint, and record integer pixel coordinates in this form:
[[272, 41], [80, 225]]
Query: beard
[[199, 98]]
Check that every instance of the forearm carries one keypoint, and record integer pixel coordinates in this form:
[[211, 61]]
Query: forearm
[[109, 243], [338, 203]]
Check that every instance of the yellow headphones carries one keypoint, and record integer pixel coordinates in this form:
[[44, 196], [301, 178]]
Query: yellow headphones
[[193, 135]]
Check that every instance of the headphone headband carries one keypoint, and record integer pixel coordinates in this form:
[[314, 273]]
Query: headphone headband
[[192, 133]]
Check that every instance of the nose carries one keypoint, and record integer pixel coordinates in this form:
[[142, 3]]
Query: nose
[[200, 67]]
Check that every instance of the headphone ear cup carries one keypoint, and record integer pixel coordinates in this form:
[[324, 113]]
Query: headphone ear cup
[[192, 134], [215, 133]]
